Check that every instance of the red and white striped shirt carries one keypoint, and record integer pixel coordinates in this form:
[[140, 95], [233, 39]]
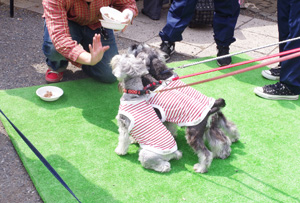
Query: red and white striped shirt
[[146, 128], [58, 12], [183, 106]]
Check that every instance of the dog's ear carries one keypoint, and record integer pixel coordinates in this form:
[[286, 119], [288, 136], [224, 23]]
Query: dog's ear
[[118, 64], [138, 68], [133, 49], [114, 61], [159, 70]]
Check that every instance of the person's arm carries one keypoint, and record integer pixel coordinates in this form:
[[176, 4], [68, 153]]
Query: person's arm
[[55, 13]]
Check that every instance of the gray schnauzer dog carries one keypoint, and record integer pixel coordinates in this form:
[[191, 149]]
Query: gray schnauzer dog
[[137, 118], [212, 126]]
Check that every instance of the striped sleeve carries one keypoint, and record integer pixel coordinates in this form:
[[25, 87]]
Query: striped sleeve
[[55, 14]]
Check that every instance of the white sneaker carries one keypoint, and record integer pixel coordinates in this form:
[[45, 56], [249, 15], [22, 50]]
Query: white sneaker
[[276, 91], [272, 73]]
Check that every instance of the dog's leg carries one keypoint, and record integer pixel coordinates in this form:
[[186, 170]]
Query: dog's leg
[[195, 138], [175, 155], [157, 162], [172, 127], [124, 140], [132, 140], [217, 141], [228, 127]]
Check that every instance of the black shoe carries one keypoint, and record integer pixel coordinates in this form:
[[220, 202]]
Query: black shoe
[[168, 48], [272, 74], [222, 51], [276, 91]]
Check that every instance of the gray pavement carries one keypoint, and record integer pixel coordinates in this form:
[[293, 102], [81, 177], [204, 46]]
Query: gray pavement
[[22, 63]]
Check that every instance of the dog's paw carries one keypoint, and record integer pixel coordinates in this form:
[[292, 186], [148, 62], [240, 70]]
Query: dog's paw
[[234, 136], [221, 149], [224, 153], [198, 168], [178, 154], [164, 167], [120, 151]]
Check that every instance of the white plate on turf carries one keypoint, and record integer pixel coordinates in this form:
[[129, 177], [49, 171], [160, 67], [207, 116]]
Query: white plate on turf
[[49, 93]]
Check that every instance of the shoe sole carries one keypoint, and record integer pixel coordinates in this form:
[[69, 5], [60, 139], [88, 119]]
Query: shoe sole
[[265, 74], [169, 56], [53, 81], [223, 65], [258, 91]]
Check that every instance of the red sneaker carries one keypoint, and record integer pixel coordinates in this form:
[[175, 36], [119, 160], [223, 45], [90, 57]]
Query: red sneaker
[[53, 76]]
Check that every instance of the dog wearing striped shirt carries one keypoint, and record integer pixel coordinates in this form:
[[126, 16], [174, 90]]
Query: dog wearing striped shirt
[[137, 118], [212, 126]]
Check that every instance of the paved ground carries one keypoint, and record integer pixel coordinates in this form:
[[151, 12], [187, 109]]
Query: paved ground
[[22, 64]]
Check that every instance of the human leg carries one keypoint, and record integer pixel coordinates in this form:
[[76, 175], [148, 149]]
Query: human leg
[[283, 22], [225, 19], [56, 62], [224, 22], [283, 31], [152, 8], [289, 86], [290, 69], [179, 16]]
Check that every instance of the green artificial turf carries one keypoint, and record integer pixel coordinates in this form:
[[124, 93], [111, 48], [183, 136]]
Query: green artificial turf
[[78, 133]]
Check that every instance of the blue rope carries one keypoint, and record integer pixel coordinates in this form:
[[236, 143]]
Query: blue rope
[[40, 156]]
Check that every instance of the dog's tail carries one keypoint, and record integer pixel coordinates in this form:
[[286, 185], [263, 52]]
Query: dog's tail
[[219, 103]]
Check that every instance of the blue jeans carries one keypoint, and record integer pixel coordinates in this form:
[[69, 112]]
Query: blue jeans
[[102, 71], [181, 12], [289, 27]]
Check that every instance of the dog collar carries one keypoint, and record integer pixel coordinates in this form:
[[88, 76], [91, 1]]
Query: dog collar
[[152, 84], [139, 92]]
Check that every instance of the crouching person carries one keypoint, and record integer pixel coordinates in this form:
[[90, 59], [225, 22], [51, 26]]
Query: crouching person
[[73, 32]]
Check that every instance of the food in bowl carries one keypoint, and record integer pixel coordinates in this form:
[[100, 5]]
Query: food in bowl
[[108, 16], [48, 94], [112, 15]]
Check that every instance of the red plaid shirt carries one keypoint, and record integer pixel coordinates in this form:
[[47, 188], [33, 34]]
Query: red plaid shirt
[[58, 12]]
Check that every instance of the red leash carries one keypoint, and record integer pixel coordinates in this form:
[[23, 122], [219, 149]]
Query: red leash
[[239, 64], [284, 58]]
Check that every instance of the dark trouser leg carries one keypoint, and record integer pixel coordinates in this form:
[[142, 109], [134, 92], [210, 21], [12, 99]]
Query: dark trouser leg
[[290, 69], [179, 16], [225, 18]]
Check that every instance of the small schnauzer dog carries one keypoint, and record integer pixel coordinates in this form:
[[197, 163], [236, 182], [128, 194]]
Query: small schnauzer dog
[[187, 107], [137, 118]]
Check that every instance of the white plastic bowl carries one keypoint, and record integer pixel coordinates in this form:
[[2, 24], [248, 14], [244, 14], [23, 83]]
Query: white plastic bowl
[[111, 25], [113, 15], [56, 93], [109, 19]]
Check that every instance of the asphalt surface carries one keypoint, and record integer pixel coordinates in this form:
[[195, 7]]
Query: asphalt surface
[[22, 64]]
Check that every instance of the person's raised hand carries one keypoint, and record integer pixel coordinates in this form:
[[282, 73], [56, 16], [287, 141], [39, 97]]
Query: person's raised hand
[[97, 50]]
